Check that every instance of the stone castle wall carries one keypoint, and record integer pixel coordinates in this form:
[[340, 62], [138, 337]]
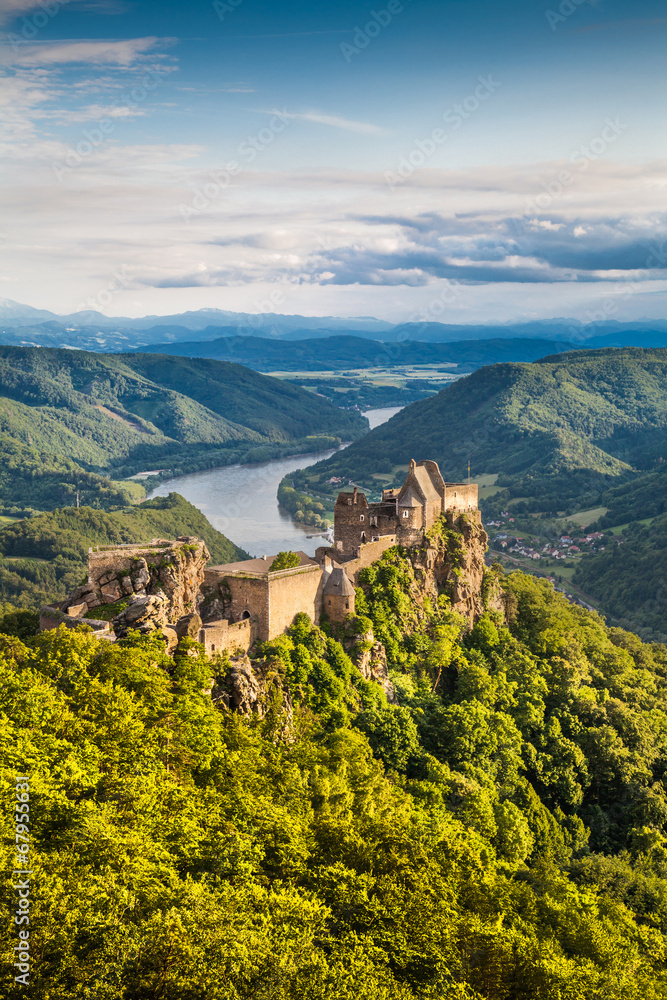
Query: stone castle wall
[[351, 521], [292, 592], [270, 601], [461, 496], [244, 603], [368, 554], [223, 637]]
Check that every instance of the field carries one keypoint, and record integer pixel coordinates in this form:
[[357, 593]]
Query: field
[[585, 517]]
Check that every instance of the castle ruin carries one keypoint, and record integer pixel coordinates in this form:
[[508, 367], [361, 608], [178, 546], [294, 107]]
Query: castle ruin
[[228, 608]]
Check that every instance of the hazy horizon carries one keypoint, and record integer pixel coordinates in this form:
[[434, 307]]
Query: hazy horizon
[[454, 162]]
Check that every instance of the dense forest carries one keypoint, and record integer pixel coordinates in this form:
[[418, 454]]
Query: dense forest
[[498, 833], [71, 420], [631, 579], [43, 558]]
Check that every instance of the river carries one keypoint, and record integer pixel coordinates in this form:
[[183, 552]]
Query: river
[[240, 500]]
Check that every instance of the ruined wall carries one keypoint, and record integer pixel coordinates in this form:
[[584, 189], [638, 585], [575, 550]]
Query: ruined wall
[[351, 521], [462, 496], [368, 555], [223, 637], [270, 602], [237, 598], [174, 568], [50, 617], [292, 592], [409, 536]]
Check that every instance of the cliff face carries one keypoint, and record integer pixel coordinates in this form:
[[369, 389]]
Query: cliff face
[[172, 571], [451, 559]]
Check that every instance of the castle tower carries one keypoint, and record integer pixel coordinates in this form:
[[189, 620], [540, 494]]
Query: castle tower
[[338, 596]]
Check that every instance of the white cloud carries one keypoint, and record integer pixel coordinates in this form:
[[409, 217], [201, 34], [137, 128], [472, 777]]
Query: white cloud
[[334, 121], [95, 113], [123, 53], [546, 224], [336, 240], [12, 9]]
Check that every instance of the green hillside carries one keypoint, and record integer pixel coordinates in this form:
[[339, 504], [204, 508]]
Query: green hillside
[[44, 558], [70, 417], [559, 430], [499, 834], [630, 579]]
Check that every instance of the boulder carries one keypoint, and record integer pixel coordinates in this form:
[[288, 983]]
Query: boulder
[[143, 614], [171, 639], [249, 688], [111, 592], [189, 625]]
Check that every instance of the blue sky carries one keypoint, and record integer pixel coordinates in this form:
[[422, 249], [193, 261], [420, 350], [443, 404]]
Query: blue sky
[[460, 160]]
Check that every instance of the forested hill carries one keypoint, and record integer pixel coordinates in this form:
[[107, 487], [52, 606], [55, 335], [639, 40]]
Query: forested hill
[[630, 579], [498, 834], [44, 558], [68, 418], [554, 429]]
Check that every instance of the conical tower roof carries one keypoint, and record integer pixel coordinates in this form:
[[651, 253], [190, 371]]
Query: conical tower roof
[[338, 584]]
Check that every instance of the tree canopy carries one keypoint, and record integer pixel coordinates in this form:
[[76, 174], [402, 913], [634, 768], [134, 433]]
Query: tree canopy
[[499, 832]]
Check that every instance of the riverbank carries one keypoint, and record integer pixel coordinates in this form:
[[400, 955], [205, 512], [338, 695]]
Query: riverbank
[[241, 500]]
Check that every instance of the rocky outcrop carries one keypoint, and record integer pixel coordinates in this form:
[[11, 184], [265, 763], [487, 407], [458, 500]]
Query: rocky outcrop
[[249, 688], [368, 655], [451, 559], [188, 626], [174, 570], [143, 614], [372, 666], [156, 586]]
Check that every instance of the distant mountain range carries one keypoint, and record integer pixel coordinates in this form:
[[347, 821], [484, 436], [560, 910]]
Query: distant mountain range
[[24, 325], [347, 352]]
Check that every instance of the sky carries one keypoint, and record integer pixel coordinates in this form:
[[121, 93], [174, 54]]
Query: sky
[[450, 160]]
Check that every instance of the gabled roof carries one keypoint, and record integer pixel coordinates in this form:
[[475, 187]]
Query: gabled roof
[[419, 485], [426, 483], [409, 499]]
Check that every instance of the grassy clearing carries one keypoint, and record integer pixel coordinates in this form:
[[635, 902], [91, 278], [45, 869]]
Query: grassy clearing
[[136, 491], [585, 517], [620, 528]]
